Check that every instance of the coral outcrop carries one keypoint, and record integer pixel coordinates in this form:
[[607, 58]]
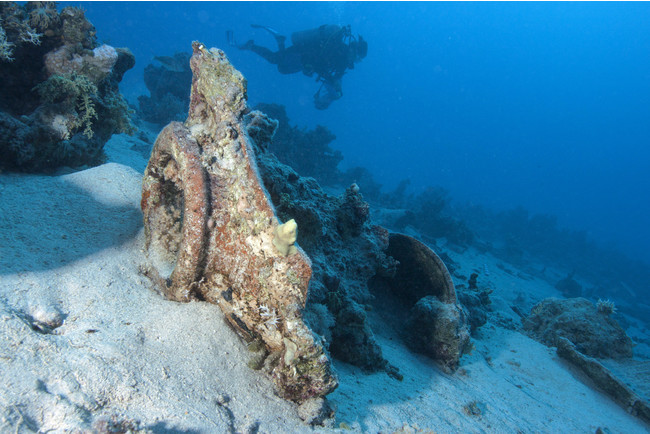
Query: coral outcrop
[[307, 151], [59, 96], [593, 333], [168, 84], [210, 231]]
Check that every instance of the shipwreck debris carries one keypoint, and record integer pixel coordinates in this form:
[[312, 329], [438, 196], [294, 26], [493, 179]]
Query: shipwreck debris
[[212, 233], [422, 298]]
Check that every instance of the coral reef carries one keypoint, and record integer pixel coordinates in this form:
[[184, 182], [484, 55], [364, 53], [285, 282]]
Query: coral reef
[[59, 91], [578, 320], [168, 86], [210, 231], [307, 151]]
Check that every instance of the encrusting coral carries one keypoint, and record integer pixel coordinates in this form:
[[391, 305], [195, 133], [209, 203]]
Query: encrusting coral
[[212, 234]]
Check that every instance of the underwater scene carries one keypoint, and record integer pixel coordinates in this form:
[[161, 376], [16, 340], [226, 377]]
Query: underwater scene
[[293, 217]]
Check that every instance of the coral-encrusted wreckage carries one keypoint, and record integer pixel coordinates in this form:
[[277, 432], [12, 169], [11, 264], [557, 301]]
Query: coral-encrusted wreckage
[[224, 221], [59, 96], [212, 233]]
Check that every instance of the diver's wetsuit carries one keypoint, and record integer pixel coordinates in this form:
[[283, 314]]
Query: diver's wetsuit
[[327, 51], [322, 51]]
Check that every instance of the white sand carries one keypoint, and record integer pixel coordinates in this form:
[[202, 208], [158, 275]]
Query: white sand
[[70, 246]]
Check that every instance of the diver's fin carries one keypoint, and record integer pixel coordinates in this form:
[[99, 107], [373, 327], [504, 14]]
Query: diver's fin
[[267, 28], [278, 37]]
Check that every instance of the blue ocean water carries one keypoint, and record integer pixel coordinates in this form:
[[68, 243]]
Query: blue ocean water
[[544, 105]]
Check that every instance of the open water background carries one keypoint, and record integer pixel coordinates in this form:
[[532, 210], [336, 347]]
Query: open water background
[[545, 105]]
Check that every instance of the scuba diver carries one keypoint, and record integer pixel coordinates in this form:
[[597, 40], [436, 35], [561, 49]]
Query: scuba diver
[[327, 52]]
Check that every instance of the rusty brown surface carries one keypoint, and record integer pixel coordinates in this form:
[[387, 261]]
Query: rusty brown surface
[[210, 227], [175, 207]]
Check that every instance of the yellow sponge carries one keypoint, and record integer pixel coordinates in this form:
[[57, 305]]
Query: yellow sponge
[[285, 237]]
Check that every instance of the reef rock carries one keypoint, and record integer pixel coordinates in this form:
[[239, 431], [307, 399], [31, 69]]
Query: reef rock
[[58, 88], [211, 231], [577, 319], [168, 86], [439, 330]]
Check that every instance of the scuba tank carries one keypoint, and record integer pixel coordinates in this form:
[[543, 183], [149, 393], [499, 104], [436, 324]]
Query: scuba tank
[[316, 37]]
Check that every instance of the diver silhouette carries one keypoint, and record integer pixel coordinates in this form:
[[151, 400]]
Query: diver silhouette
[[327, 52]]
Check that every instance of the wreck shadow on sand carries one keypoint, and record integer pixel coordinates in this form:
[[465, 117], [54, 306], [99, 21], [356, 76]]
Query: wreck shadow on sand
[[48, 222]]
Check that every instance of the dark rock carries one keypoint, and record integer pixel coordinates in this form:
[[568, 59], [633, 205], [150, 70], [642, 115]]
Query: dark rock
[[125, 61], [168, 84], [472, 282], [476, 306], [569, 287], [352, 213], [353, 341]]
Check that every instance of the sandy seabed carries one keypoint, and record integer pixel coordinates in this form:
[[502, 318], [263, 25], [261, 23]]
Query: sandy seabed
[[84, 337]]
